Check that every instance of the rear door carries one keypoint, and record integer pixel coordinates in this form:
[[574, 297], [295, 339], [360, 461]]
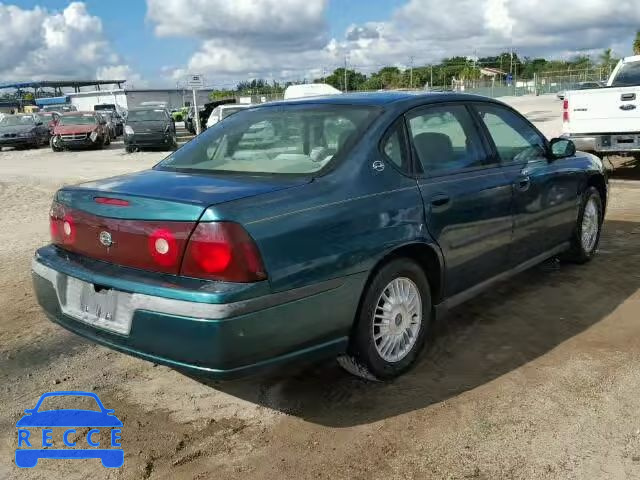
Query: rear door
[[467, 198], [545, 194]]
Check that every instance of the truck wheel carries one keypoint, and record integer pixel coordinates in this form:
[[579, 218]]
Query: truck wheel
[[586, 235], [392, 322]]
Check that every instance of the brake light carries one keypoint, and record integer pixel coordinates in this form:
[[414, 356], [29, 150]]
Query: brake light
[[565, 110], [223, 251], [61, 225], [117, 202]]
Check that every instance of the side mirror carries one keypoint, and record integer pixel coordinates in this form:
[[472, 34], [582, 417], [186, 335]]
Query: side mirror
[[561, 148]]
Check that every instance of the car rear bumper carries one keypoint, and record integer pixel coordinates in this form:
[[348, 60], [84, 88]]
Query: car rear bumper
[[611, 143], [199, 331]]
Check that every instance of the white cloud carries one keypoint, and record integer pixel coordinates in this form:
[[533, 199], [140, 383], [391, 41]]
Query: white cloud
[[39, 44], [273, 38]]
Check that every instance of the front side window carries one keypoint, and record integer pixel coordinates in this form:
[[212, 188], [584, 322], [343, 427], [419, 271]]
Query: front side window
[[445, 140], [296, 139], [516, 141]]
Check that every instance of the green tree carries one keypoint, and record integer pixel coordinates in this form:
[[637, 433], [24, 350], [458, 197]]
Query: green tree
[[636, 44], [355, 80]]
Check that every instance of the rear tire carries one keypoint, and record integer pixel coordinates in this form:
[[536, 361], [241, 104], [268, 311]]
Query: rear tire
[[392, 322], [586, 235]]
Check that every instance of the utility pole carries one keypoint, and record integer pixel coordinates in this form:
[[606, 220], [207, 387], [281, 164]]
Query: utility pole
[[411, 73], [345, 74], [431, 81]]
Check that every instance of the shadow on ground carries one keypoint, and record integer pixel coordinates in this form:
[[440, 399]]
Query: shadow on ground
[[493, 334]]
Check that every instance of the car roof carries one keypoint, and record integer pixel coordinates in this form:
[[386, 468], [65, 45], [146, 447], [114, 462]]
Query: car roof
[[148, 107], [385, 98]]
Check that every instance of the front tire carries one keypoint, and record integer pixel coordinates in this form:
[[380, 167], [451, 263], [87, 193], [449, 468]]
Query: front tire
[[56, 144], [392, 322], [586, 235]]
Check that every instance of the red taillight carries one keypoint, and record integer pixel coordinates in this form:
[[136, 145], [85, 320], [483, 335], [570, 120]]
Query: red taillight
[[61, 225], [117, 202], [222, 251], [565, 111]]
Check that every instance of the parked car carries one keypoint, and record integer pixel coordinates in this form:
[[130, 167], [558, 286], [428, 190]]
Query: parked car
[[223, 111], [581, 86], [23, 131], [59, 108], [107, 116], [309, 90], [204, 113], [80, 130], [116, 116], [369, 216], [149, 127], [50, 118], [607, 121]]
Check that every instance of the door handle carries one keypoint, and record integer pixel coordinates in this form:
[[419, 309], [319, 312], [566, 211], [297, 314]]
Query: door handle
[[440, 200], [523, 183]]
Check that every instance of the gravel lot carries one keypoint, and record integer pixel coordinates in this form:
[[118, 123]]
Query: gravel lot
[[537, 379]]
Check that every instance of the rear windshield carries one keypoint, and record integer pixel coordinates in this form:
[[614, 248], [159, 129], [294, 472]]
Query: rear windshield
[[628, 75], [230, 111], [14, 120], [146, 115], [291, 139], [86, 119]]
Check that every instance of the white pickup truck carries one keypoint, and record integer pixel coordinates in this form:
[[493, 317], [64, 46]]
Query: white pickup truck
[[606, 121]]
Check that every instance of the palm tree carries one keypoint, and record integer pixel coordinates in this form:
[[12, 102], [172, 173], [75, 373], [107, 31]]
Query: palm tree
[[636, 44]]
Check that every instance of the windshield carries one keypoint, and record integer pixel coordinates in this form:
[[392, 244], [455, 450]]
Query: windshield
[[86, 119], [146, 115], [298, 139], [628, 75], [14, 120]]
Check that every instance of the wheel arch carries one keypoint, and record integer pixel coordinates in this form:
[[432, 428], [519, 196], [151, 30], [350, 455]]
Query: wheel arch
[[598, 181], [427, 256]]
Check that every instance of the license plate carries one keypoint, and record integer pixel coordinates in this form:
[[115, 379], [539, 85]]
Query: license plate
[[96, 307]]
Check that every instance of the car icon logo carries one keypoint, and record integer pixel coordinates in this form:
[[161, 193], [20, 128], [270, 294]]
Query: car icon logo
[[105, 239], [46, 443], [378, 166]]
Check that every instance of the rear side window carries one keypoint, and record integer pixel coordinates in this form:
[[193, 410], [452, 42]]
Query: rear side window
[[515, 139], [394, 147], [445, 140], [628, 75]]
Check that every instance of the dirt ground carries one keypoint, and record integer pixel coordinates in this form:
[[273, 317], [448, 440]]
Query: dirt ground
[[537, 379]]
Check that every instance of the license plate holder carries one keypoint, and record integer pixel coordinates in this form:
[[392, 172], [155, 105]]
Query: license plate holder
[[98, 307]]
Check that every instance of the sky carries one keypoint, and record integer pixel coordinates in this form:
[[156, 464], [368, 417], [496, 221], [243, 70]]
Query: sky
[[157, 43]]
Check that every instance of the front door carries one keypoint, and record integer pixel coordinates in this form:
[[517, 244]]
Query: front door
[[466, 196], [544, 193]]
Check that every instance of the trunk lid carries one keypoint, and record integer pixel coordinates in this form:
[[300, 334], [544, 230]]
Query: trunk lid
[[144, 220]]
